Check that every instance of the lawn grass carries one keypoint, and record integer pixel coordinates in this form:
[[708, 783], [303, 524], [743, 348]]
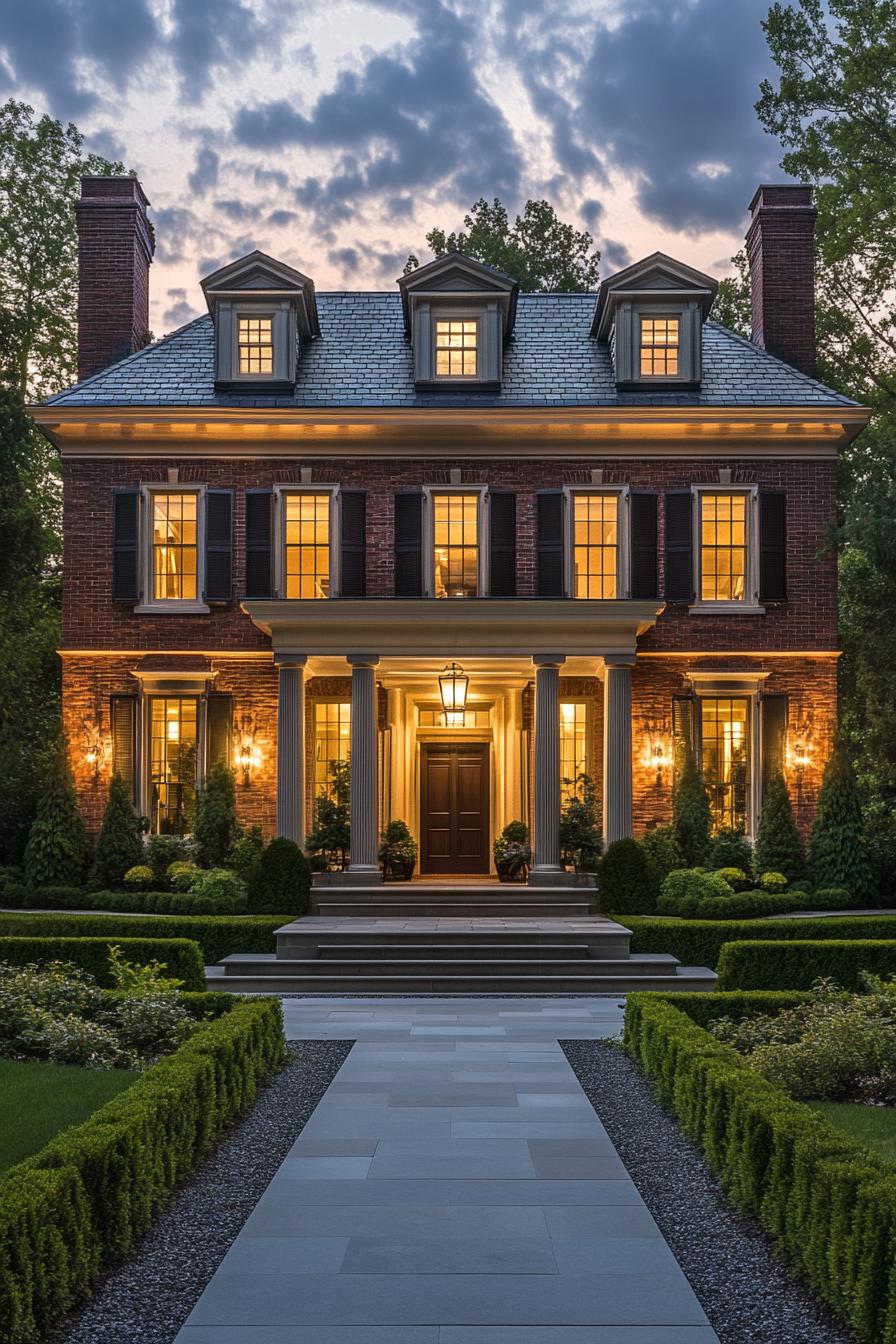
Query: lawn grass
[[37, 1100], [874, 1126]]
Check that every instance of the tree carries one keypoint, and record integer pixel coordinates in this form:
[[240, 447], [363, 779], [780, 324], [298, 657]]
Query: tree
[[691, 818], [56, 853], [331, 834], [217, 828], [280, 881], [539, 250], [837, 848], [733, 306], [580, 838], [779, 848], [625, 885], [118, 846]]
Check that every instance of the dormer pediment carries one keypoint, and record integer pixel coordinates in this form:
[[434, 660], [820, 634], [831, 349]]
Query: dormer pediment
[[457, 274], [657, 275]]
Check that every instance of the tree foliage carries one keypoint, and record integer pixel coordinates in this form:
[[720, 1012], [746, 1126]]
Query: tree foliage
[[56, 853], [118, 846], [733, 304], [838, 851], [217, 828], [691, 818], [779, 848]]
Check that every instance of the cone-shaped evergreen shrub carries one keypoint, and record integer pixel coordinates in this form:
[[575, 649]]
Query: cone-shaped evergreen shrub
[[280, 881], [118, 846], [690, 809], [730, 849], [838, 851], [217, 828], [625, 887], [779, 848], [56, 852], [661, 856]]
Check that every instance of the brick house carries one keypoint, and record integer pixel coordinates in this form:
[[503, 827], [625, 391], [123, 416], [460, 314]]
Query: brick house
[[477, 542]]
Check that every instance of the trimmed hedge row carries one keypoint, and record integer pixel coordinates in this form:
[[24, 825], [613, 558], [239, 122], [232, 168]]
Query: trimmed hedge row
[[78, 1207], [829, 1203], [797, 964], [181, 957], [18, 897], [699, 942], [754, 904], [217, 935]]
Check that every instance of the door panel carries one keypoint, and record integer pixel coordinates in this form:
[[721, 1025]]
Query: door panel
[[454, 809]]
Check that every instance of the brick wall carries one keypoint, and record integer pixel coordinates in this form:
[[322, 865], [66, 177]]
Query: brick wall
[[115, 247], [780, 250]]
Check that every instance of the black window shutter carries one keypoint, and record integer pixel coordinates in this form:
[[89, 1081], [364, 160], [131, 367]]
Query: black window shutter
[[123, 718], [354, 532], [259, 555], [644, 582], [218, 545], [502, 544], [773, 725], [679, 546], [550, 543], [772, 546], [409, 544], [218, 726], [684, 729], [125, 576]]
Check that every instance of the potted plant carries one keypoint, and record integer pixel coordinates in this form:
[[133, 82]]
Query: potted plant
[[580, 838], [512, 853], [329, 840], [398, 852]]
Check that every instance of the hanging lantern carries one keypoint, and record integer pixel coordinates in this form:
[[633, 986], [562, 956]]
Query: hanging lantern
[[453, 686]]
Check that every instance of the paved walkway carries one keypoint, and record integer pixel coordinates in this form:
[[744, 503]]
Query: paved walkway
[[454, 1186]]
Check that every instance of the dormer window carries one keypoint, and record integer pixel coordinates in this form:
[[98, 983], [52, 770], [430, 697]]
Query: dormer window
[[456, 346], [256, 345], [659, 347]]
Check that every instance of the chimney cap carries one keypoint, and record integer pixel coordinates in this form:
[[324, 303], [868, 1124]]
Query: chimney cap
[[782, 196], [109, 186]]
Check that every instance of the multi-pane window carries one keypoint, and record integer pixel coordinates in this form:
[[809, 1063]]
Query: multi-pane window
[[173, 737], [175, 550], [723, 547], [437, 718], [572, 747], [306, 525], [659, 347], [456, 346], [725, 759], [595, 544], [332, 740], [256, 345], [456, 545]]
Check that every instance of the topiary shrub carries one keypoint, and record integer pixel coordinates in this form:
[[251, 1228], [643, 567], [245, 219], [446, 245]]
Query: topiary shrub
[[139, 878], [56, 852], [221, 887], [59, 898], [779, 848], [119, 845], [164, 850], [684, 889], [736, 878], [181, 874], [217, 828], [831, 898], [730, 849], [774, 882], [623, 881], [661, 856], [838, 850], [691, 817], [281, 880]]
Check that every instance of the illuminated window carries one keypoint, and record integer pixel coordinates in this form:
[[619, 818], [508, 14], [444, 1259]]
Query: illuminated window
[[174, 546], [723, 547], [456, 348], [307, 544], [435, 718], [456, 543], [595, 544], [172, 764], [332, 740], [572, 748], [659, 347], [725, 759], [256, 345]]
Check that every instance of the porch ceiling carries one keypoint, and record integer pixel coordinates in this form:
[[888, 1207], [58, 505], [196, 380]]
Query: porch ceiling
[[468, 628]]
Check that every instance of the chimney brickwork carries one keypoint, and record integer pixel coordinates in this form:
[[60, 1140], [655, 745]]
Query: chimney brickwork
[[115, 248], [781, 253]]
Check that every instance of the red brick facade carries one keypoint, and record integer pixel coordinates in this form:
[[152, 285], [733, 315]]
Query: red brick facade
[[116, 244], [781, 253]]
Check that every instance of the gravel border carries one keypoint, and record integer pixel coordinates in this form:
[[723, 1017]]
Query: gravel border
[[743, 1287], [149, 1298]]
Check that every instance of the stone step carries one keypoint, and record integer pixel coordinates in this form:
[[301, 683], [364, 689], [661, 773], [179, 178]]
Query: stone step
[[429, 965], [445, 951], [688, 978], [308, 937], [387, 909]]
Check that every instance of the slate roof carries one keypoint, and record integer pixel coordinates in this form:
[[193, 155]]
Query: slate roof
[[363, 359]]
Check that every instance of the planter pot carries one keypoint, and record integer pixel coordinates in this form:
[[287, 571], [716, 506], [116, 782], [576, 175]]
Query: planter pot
[[520, 876], [399, 870]]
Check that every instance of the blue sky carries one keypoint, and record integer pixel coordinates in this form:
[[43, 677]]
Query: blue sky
[[334, 134]]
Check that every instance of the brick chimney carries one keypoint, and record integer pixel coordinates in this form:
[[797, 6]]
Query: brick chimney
[[115, 247], [781, 253]]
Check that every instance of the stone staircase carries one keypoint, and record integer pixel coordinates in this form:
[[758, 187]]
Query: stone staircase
[[464, 940]]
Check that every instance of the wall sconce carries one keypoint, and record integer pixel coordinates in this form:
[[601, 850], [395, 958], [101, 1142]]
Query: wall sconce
[[453, 686], [97, 747], [799, 752], [658, 755], [246, 755]]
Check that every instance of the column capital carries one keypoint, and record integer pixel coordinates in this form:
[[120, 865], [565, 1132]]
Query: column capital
[[362, 659], [612, 660], [283, 659], [549, 659]]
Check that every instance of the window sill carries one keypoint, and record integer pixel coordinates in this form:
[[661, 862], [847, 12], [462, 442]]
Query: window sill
[[173, 608], [725, 609]]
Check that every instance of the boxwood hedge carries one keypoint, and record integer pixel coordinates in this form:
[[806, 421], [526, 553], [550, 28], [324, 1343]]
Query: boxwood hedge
[[181, 956], [795, 964], [77, 1207], [698, 942], [829, 1203], [217, 935]]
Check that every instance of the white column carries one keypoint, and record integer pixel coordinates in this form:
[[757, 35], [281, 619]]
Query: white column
[[363, 767], [291, 747], [617, 747], [546, 840]]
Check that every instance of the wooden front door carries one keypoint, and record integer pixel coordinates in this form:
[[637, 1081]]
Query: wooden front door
[[454, 809]]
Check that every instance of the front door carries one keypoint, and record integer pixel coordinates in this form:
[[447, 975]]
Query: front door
[[454, 809]]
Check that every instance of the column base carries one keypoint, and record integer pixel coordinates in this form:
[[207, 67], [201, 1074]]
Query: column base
[[559, 877], [349, 877]]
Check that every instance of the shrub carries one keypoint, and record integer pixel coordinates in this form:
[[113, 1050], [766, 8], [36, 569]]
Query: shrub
[[59, 898], [735, 877], [163, 851], [779, 848], [217, 828], [281, 881], [119, 846], [698, 942], [218, 936], [690, 808], [14, 895], [181, 874], [686, 886], [661, 856], [511, 850], [730, 849], [398, 850], [798, 963], [774, 882], [221, 887], [830, 898], [580, 839], [330, 838], [624, 885], [245, 852], [138, 878], [56, 851], [181, 957], [838, 849]]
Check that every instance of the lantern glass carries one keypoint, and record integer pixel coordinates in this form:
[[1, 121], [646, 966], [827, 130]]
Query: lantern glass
[[453, 685], [455, 718]]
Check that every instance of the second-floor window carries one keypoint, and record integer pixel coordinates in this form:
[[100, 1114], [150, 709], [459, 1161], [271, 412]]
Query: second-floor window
[[595, 549], [724, 546], [456, 347], [659, 347], [256, 345], [306, 551], [455, 544], [175, 546]]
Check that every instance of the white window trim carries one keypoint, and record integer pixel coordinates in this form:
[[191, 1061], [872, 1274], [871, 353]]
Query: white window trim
[[172, 606], [236, 376], [749, 605], [169, 686], [623, 537], [738, 686], [279, 538], [457, 315], [429, 544]]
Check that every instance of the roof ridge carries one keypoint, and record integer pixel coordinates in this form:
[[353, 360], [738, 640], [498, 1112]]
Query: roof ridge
[[128, 359], [791, 369]]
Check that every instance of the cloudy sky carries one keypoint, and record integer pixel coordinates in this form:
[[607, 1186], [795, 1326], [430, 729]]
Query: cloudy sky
[[334, 133]]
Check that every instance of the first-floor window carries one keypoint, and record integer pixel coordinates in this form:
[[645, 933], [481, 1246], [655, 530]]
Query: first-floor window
[[175, 547], [332, 741], [725, 759], [456, 545], [306, 521], [595, 525], [573, 759], [173, 763]]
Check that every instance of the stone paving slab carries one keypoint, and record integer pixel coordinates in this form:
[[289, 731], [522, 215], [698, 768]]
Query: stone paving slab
[[454, 1186]]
